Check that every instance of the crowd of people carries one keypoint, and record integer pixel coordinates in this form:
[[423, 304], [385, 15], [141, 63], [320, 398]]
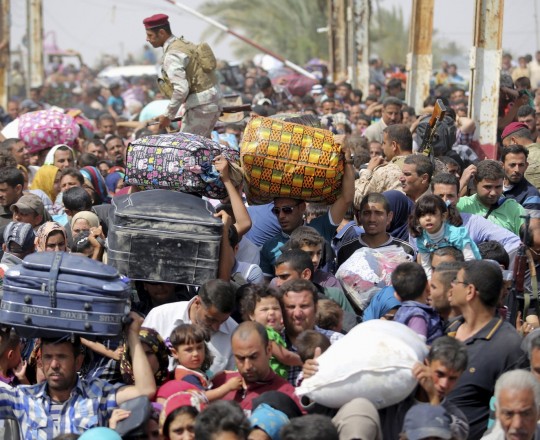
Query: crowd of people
[[221, 361]]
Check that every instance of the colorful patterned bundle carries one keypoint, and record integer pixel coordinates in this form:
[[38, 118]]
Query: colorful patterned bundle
[[283, 159], [177, 161], [46, 128]]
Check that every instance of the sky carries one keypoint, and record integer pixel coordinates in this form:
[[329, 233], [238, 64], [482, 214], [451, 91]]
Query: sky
[[115, 26]]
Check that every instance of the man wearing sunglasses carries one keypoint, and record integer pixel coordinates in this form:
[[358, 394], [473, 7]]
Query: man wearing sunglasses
[[493, 345], [290, 215]]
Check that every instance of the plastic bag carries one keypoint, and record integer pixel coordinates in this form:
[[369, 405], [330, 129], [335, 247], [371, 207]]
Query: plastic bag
[[374, 360], [368, 270]]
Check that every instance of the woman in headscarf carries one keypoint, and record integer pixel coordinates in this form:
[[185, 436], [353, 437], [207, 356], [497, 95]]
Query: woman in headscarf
[[47, 179], [157, 353], [84, 221], [401, 206], [115, 181], [383, 305], [95, 182], [51, 237]]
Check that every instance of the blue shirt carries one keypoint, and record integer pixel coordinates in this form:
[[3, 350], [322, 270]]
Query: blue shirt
[[90, 405], [271, 249]]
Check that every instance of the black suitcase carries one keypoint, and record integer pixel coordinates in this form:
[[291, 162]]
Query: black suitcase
[[167, 236], [54, 293]]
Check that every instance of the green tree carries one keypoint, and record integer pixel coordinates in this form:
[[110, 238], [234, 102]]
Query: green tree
[[389, 34], [287, 27]]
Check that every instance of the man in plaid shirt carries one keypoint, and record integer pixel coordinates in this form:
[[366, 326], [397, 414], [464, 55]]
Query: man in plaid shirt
[[65, 403]]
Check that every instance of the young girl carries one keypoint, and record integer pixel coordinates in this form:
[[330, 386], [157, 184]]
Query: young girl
[[189, 348], [436, 225], [261, 304]]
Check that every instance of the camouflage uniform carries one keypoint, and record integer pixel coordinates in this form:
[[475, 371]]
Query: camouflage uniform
[[533, 171], [201, 109], [383, 178]]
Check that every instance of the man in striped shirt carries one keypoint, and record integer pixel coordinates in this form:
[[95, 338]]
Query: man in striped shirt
[[64, 403]]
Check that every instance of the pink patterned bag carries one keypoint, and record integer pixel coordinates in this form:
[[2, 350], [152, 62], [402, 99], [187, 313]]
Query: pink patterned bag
[[46, 128], [177, 161]]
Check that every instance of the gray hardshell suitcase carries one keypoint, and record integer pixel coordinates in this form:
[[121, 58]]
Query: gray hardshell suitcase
[[167, 236]]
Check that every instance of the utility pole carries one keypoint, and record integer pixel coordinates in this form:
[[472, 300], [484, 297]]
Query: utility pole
[[358, 36], [4, 51], [36, 69], [485, 71], [337, 43], [419, 58]]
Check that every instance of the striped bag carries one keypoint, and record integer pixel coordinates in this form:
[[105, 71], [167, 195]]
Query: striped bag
[[284, 159]]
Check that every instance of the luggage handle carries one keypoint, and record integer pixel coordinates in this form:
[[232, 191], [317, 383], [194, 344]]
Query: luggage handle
[[55, 270]]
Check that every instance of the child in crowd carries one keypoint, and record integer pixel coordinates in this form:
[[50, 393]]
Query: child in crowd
[[435, 224], [329, 315], [411, 285], [261, 304], [189, 348], [308, 341], [12, 367]]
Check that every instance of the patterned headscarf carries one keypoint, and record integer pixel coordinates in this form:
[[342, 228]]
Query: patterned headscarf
[[93, 176], [151, 338], [44, 180], [43, 234]]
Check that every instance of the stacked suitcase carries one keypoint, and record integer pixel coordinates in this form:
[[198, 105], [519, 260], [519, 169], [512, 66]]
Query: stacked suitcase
[[166, 236]]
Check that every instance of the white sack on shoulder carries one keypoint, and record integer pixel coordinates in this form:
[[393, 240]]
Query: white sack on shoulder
[[374, 360]]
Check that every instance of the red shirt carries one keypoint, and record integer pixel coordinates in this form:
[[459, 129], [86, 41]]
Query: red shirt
[[245, 397]]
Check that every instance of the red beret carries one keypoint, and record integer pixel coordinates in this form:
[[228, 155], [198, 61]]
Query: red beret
[[512, 128], [156, 21]]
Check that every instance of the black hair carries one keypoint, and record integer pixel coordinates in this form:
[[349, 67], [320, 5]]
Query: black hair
[[445, 179], [221, 416], [423, 164], [310, 427], [455, 253], [409, 281], [264, 83], [374, 198], [431, 204], [74, 172], [88, 160], [299, 285], [76, 199], [305, 236], [218, 293], [186, 409], [526, 110], [12, 176], [298, 259], [489, 169], [487, 278], [392, 101], [493, 250], [307, 341], [450, 352], [251, 295], [514, 149], [401, 135]]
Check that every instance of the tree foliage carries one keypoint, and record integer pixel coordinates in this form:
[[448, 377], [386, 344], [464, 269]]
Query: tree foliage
[[287, 27]]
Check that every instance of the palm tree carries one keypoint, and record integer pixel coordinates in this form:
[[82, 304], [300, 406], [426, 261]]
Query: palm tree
[[287, 27]]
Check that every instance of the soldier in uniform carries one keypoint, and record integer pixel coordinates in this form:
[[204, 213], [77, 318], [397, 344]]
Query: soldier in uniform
[[187, 77]]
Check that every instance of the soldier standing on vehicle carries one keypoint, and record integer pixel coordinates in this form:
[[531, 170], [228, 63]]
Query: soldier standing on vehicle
[[187, 77]]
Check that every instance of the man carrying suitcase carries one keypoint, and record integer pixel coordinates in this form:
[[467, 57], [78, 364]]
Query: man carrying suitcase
[[65, 403], [187, 77]]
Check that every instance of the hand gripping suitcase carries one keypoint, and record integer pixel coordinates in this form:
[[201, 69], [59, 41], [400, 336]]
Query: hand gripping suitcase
[[54, 293], [161, 235]]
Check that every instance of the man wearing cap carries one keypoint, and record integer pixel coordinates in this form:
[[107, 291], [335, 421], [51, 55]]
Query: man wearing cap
[[18, 243], [187, 77], [425, 421], [30, 209], [518, 133]]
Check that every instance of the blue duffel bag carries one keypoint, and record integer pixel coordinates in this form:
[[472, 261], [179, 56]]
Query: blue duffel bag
[[54, 293]]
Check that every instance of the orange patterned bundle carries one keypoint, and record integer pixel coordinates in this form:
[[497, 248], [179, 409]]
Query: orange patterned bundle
[[283, 159]]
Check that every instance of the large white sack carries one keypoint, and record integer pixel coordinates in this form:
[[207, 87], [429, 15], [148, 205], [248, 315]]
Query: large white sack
[[374, 360], [368, 270]]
